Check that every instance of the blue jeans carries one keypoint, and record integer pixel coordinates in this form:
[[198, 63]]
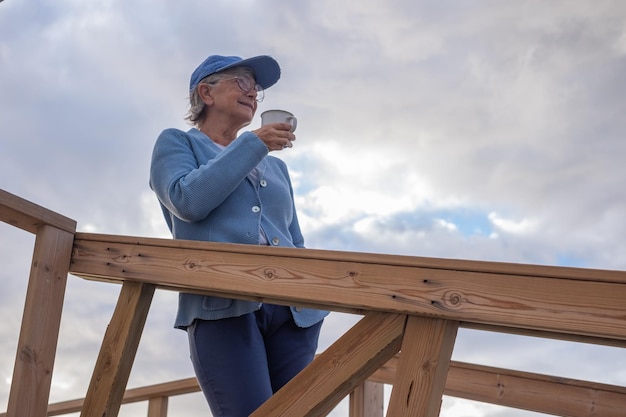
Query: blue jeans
[[241, 361]]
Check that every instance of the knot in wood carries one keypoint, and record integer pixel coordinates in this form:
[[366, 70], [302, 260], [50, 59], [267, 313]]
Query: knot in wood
[[270, 273], [453, 299], [122, 259], [191, 264], [28, 355]]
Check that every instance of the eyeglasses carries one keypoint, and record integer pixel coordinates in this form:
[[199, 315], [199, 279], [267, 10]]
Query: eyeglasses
[[246, 84]]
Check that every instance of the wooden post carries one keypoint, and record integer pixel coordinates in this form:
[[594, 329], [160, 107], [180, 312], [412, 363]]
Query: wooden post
[[36, 350], [115, 360], [367, 400], [157, 407], [423, 367]]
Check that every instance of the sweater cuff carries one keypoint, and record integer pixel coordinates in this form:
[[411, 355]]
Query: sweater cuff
[[256, 144]]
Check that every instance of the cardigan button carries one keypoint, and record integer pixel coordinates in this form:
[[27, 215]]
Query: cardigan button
[[256, 209], [263, 183]]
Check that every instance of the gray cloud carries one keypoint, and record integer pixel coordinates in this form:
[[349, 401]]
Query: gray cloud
[[465, 130]]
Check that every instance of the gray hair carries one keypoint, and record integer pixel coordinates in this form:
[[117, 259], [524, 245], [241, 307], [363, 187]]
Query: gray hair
[[197, 107]]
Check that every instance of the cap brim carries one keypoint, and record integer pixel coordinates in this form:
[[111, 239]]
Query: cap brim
[[266, 69]]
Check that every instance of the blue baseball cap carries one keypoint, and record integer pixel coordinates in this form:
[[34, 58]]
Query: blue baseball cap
[[265, 68]]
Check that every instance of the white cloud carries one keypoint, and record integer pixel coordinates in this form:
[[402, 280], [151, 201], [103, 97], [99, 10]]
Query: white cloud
[[446, 225], [512, 226]]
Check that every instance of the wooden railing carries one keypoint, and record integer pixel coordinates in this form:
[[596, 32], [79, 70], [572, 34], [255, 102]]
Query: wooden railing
[[540, 393], [410, 304]]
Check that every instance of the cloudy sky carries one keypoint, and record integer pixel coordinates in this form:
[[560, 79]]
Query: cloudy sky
[[485, 130]]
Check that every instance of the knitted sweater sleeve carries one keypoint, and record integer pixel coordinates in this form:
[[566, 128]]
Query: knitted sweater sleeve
[[190, 181]]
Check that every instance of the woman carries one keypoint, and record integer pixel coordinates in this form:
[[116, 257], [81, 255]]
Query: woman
[[215, 185]]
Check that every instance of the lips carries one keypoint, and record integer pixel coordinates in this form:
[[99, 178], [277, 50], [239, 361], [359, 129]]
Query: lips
[[247, 104]]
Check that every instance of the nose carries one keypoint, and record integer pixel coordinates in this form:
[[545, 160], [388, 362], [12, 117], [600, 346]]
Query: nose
[[256, 94]]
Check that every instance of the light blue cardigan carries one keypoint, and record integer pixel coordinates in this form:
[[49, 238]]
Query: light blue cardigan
[[211, 194]]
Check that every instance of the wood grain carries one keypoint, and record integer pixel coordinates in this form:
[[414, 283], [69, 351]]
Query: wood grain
[[36, 350], [117, 353], [423, 367], [29, 216], [567, 304]]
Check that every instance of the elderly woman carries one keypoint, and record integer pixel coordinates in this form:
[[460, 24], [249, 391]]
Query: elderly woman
[[215, 185]]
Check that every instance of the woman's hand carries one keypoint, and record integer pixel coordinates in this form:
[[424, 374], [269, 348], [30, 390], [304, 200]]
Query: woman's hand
[[276, 136]]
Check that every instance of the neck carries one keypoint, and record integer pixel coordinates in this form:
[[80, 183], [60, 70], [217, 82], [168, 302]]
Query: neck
[[218, 138], [219, 131], [223, 137]]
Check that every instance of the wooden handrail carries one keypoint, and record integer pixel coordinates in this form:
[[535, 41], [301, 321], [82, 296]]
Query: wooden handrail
[[540, 393], [572, 301], [134, 395], [29, 216]]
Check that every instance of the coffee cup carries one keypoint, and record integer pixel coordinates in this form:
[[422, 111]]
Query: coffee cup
[[279, 116]]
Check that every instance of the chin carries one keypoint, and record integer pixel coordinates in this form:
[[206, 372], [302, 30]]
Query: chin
[[246, 123]]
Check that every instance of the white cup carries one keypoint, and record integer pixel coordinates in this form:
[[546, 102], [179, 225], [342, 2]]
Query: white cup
[[279, 116]]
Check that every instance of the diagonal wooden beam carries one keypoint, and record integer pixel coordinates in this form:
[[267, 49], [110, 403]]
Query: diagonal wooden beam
[[335, 373], [423, 367], [115, 360]]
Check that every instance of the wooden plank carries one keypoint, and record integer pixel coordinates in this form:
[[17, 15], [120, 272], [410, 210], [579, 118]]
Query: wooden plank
[[297, 276], [535, 392], [316, 390], [118, 350], [157, 407], [576, 338], [367, 400], [507, 268], [36, 350], [423, 367], [165, 389], [29, 216], [173, 388]]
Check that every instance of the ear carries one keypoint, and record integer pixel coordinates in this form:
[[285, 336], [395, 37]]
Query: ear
[[205, 93]]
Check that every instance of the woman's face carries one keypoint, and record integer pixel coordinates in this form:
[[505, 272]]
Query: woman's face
[[235, 98]]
